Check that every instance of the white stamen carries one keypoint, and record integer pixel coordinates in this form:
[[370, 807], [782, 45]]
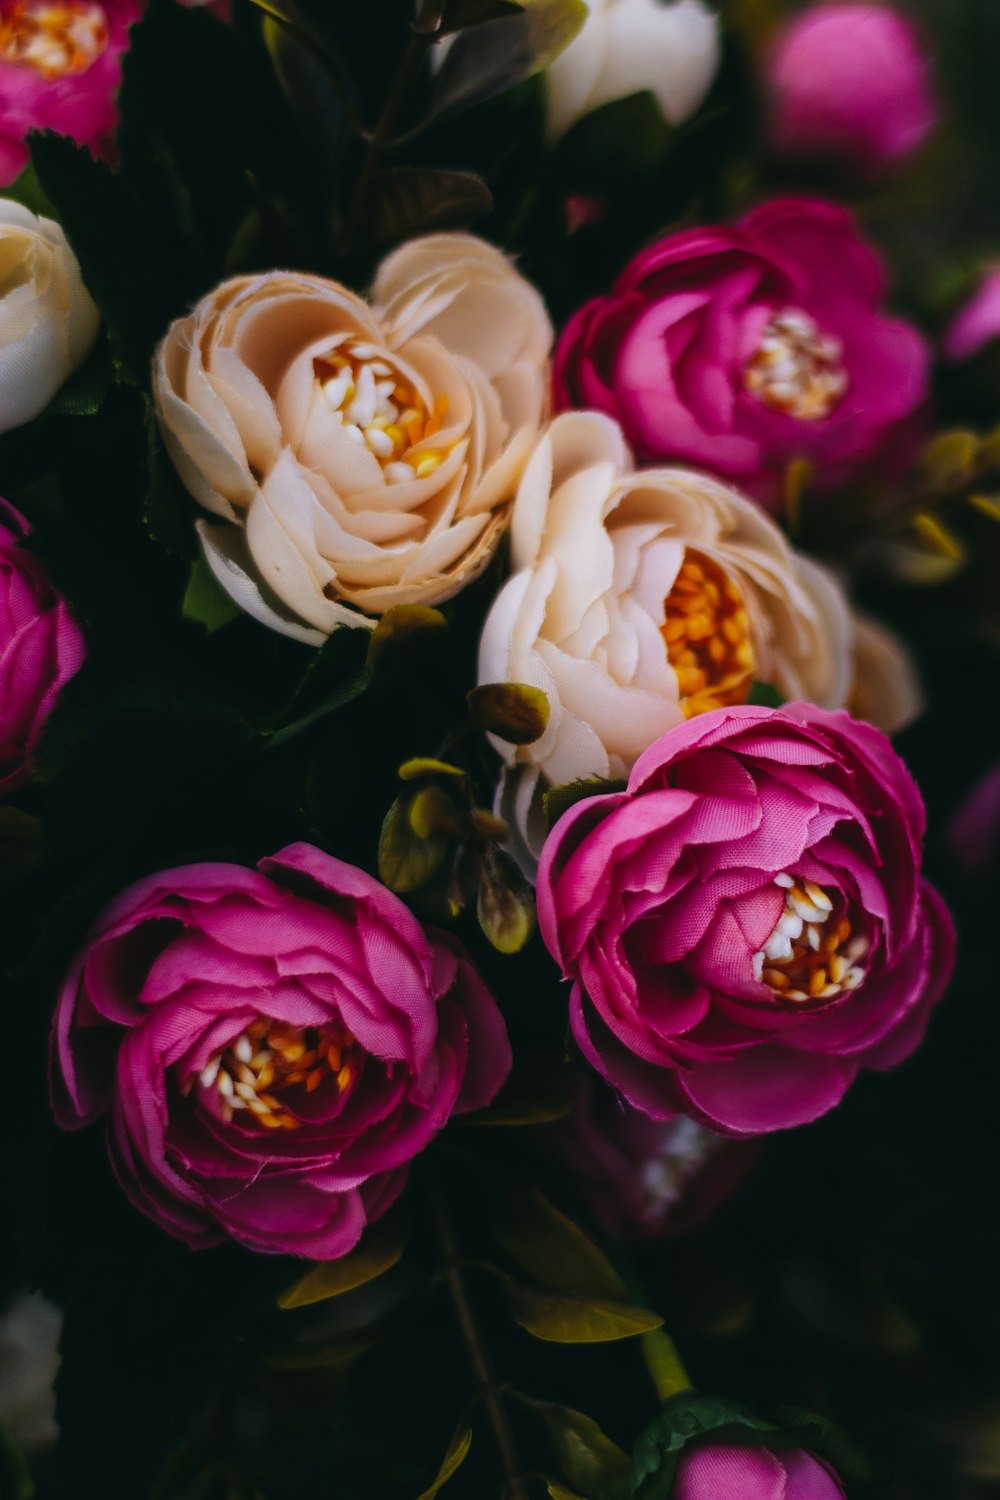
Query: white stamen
[[399, 473]]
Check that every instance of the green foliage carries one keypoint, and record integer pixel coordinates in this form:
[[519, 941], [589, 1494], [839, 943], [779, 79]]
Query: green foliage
[[380, 1249], [588, 1458], [206, 601], [765, 695], [495, 56], [407, 201], [512, 711], [506, 902], [559, 799], [458, 1450]]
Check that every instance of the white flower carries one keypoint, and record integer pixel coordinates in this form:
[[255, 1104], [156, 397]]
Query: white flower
[[359, 456], [29, 1360], [626, 46], [637, 600], [48, 321]]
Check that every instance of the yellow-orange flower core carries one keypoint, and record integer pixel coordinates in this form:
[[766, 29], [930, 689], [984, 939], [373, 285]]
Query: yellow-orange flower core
[[797, 369], [54, 40], [812, 954], [379, 408], [707, 634], [257, 1069]]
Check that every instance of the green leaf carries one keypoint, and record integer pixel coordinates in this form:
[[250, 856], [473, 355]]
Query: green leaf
[[433, 812], [765, 695], [122, 257], [575, 1320], [626, 140], [819, 1435], [15, 1481], [424, 765], [460, 14], [512, 1112], [399, 629], [559, 799], [84, 392], [560, 1491], [27, 190], [380, 1249], [489, 59], [206, 601], [506, 903], [685, 1417], [407, 201], [456, 1455], [587, 1456], [512, 711], [339, 673], [22, 844], [405, 860], [546, 1245]]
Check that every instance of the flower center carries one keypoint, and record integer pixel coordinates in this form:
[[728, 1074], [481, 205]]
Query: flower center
[[797, 369], [56, 40], [812, 954], [268, 1058], [707, 634], [379, 408]]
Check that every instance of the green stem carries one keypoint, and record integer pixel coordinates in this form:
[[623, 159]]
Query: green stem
[[423, 36], [664, 1364], [472, 1335]]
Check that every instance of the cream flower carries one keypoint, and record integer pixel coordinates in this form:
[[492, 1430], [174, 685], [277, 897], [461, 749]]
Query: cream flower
[[886, 688], [48, 321], [629, 45], [639, 599], [360, 456]]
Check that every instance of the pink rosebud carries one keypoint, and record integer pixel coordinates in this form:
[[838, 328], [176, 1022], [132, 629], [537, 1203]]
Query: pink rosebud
[[60, 69], [741, 350], [712, 1470], [973, 832], [745, 926], [41, 647], [977, 323], [273, 1047], [850, 81]]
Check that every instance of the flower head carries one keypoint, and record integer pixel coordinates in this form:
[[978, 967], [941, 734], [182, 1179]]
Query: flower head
[[710, 1470], [741, 350], [361, 456], [745, 926], [273, 1048]]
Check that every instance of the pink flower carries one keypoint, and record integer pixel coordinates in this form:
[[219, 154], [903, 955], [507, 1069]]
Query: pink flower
[[739, 350], [851, 81], [273, 1048], [745, 926], [41, 647], [712, 1471], [977, 323], [645, 1179], [60, 68]]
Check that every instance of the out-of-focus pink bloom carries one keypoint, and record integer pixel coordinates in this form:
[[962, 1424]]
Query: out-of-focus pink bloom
[[977, 323], [851, 81], [974, 830], [60, 69]]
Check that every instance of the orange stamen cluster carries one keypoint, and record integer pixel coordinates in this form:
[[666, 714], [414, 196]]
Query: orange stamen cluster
[[797, 370], [811, 954], [56, 40], [380, 409], [270, 1057], [707, 634]]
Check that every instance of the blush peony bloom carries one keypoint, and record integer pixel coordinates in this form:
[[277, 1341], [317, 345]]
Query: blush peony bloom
[[60, 68], [48, 320], [850, 81], [710, 1471], [641, 599], [977, 323], [746, 926], [361, 457], [273, 1048], [626, 46], [41, 647], [740, 350]]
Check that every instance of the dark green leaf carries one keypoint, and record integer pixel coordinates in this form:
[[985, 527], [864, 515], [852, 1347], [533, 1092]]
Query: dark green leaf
[[575, 1320], [380, 1249], [305, 72], [625, 140], [424, 765], [339, 673], [559, 799], [489, 59], [586, 1455], [506, 903], [433, 812], [560, 1491], [27, 190], [15, 1481], [546, 1245], [460, 14], [167, 507], [405, 860], [456, 1455], [512, 711], [687, 1416], [406, 201], [122, 257], [765, 695], [818, 1434], [399, 629], [84, 392], [22, 844], [513, 1112], [206, 601]]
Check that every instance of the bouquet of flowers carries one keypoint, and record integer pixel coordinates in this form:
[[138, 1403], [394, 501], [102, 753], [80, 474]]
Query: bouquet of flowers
[[498, 540]]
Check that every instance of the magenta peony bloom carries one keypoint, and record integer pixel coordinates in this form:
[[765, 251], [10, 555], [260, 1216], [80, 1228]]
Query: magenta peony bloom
[[645, 1179], [716, 1471], [851, 81], [739, 350], [41, 647], [273, 1048], [745, 925], [977, 323], [60, 68]]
